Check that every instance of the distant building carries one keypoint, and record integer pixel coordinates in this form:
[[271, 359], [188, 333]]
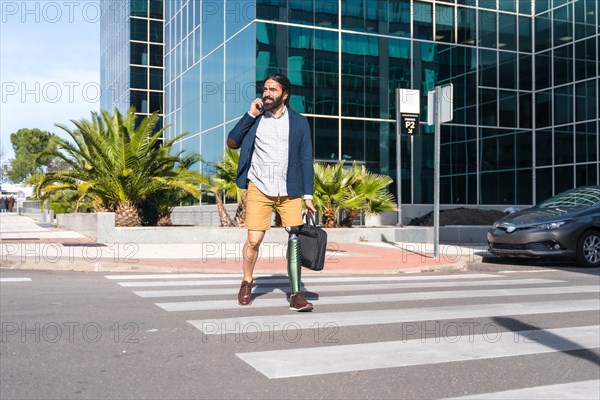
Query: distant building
[[525, 75], [132, 60]]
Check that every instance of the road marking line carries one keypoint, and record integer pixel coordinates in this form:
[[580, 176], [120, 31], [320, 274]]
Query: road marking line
[[339, 288], [269, 323], [277, 364], [380, 298], [15, 279], [311, 279], [565, 391]]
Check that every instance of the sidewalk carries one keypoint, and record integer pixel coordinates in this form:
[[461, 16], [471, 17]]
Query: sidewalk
[[27, 244]]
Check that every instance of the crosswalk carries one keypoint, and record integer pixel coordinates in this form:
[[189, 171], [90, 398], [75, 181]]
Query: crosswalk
[[439, 319], [14, 280]]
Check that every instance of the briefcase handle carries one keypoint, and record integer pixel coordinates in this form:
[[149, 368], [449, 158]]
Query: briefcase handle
[[309, 219]]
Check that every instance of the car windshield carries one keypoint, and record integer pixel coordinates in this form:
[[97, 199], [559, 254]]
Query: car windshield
[[575, 198]]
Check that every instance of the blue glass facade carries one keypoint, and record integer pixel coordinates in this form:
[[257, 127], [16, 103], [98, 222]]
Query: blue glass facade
[[132, 56], [525, 76]]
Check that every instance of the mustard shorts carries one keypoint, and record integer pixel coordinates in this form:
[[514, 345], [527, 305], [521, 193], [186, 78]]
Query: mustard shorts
[[259, 209]]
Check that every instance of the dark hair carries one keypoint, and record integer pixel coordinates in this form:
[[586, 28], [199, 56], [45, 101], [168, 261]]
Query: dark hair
[[285, 83]]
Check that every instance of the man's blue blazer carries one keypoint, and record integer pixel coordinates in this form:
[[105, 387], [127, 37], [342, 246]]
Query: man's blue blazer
[[300, 170]]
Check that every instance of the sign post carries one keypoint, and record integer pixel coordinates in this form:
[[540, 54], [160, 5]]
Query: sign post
[[440, 105], [408, 109]]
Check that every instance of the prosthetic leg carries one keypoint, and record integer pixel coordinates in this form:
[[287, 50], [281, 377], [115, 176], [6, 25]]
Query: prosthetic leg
[[294, 267]]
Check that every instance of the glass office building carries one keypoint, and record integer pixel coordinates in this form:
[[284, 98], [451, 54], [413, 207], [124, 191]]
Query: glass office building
[[132, 56], [525, 76]]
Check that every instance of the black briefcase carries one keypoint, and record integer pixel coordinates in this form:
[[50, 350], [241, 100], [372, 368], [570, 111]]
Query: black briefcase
[[313, 241]]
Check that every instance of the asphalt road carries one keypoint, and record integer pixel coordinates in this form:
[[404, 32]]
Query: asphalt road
[[496, 331]]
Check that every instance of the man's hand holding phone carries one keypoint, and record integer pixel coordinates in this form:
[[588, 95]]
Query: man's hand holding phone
[[256, 108]]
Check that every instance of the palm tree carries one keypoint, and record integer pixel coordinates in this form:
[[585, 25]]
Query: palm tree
[[333, 192], [372, 190], [117, 165], [223, 182], [350, 189]]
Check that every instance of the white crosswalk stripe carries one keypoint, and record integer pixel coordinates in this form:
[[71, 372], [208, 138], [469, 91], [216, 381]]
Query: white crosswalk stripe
[[356, 318], [585, 390], [382, 298], [7, 280], [366, 356], [339, 288], [462, 304]]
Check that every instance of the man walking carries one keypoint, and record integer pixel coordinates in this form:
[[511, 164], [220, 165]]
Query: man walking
[[276, 167]]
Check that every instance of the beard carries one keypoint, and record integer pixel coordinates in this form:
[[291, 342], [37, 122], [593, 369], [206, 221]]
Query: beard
[[274, 102]]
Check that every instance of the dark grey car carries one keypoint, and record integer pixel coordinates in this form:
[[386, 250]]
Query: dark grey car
[[564, 226]]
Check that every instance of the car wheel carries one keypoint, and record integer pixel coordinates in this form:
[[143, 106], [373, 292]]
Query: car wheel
[[588, 249]]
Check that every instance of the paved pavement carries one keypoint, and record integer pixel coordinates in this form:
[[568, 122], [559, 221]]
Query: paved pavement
[[28, 244]]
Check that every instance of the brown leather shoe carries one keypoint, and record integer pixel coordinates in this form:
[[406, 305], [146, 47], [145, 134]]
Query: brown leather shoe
[[299, 303], [245, 294]]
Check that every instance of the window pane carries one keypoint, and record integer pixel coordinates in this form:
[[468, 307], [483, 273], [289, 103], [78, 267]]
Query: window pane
[[543, 147], [353, 140], [525, 111], [507, 35], [525, 73], [466, 26], [563, 146], [507, 5], [325, 133], [399, 17], [423, 20], [487, 4], [508, 70], [563, 25], [488, 65], [563, 179], [212, 92], [508, 108], [444, 27], [524, 187], [525, 34], [139, 29], [139, 53], [563, 105], [586, 138], [525, 6], [586, 100], [139, 77], [139, 8], [543, 184], [156, 55], [156, 8], [212, 25], [543, 70], [156, 102], [585, 59], [543, 33], [156, 79], [139, 101], [487, 107], [487, 29], [156, 31], [543, 109]]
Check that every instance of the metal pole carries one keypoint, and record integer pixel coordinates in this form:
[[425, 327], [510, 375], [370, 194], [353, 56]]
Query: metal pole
[[436, 171], [398, 161]]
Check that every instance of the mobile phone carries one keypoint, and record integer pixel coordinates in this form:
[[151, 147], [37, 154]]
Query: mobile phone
[[259, 107]]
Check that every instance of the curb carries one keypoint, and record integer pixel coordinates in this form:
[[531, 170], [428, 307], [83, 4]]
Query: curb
[[171, 266]]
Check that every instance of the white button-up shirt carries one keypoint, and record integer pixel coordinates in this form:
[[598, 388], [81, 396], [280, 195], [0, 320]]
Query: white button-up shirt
[[268, 170]]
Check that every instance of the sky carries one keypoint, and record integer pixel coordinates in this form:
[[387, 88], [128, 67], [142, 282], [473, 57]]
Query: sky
[[49, 65]]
